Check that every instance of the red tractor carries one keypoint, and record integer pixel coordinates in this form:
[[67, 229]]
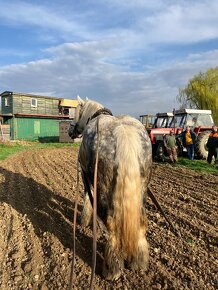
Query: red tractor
[[160, 120], [200, 121]]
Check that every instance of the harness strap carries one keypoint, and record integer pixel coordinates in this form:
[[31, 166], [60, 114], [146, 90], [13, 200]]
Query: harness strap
[[102, 111]]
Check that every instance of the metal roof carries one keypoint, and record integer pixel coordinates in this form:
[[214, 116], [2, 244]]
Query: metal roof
[[168, 114], [28, 95], [193, 111], [41, 116], [63, 102], [68, 103]]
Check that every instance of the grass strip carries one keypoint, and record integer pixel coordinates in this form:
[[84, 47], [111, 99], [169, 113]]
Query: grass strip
[[8, 148], [199, 165]]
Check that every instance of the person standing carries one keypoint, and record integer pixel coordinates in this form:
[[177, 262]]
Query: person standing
[[212, 145], [170, 144], [188, 140]]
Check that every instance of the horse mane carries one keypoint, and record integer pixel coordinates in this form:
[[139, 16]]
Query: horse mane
[[89, 108]]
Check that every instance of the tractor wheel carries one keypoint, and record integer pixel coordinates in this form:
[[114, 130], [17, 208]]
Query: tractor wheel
[[179, 147], [161, 152], [201, 149]]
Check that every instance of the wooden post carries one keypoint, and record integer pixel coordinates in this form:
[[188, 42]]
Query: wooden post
[[1, 130]]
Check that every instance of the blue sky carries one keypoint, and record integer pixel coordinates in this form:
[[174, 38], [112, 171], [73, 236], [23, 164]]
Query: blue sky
[[131, 56]]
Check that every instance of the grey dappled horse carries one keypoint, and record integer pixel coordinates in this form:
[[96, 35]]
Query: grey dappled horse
[[124, 170]]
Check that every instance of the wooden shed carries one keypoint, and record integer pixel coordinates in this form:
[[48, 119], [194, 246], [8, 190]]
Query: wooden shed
[[63, 129], [5, 132], [32, 117]]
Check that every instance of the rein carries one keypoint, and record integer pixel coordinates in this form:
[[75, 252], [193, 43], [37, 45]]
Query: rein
[[74, 229], [95, 210], [93, 200]]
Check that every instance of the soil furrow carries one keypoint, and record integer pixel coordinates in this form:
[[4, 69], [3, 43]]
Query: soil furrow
[[37, 194]]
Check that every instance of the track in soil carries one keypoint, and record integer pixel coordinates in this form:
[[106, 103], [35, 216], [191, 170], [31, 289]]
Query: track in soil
[[37, 195]]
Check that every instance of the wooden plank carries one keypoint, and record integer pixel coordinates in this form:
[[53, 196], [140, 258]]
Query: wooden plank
[[63, 133], [22, 104], [5, 132]]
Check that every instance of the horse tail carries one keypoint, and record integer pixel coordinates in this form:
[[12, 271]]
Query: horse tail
[[128, 189]]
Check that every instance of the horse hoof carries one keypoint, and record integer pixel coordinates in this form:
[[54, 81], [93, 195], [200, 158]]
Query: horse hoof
[[137, 265], [111, 273], [112, 276]]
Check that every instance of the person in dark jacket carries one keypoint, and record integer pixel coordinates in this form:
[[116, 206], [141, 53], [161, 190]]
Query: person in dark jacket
[[188, 140], [212, 145]]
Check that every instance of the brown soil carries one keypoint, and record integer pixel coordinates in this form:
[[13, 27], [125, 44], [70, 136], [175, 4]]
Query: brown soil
[[37, 195]]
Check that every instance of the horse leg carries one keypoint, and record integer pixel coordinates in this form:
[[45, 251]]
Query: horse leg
[[113, 261], [87, 211], [87, 207], [140, 259]]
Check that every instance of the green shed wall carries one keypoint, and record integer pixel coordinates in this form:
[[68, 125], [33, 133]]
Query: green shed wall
[[34, 129]]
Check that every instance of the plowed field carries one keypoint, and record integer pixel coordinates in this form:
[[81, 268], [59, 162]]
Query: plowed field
[[37, 195]]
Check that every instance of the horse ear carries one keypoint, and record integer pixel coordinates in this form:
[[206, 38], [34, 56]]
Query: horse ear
[[80, 101]]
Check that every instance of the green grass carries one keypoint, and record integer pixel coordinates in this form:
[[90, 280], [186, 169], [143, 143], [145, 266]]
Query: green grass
[[6, 149], [200, 165]]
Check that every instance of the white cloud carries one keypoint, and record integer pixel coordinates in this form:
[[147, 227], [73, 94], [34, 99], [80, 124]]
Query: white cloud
[[107, 49], [139, 23], [76, 69], [20, 13], [188, 22]]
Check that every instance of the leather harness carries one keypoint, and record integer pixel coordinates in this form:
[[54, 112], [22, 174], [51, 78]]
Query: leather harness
[[102, 111]]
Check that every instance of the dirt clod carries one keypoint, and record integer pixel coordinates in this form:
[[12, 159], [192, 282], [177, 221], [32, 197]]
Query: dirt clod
[[37, 196]]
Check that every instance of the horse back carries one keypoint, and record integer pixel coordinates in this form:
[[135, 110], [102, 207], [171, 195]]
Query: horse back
[[122, 141]]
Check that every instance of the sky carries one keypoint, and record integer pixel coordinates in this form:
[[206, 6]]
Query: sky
[[132, 56]]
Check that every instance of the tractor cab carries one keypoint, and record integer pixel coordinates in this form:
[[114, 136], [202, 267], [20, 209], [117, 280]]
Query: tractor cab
[[197, 120], [163, 120], [147, 120], [200, 121]]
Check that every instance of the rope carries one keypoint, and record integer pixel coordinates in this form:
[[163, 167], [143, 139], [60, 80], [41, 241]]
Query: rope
[[71, 284], [101, 225], [93, 202], [95, 210]]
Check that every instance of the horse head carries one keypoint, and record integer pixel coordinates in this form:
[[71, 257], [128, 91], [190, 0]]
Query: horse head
[[84, 112]]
